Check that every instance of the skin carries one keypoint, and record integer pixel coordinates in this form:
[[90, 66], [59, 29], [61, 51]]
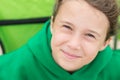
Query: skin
[[78, 34]]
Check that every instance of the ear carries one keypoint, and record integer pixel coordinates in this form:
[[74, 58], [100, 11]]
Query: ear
[[51, 24], [106, 43]]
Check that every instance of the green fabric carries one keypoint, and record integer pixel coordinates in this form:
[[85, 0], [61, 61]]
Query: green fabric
[[34, 61], [14, 36]]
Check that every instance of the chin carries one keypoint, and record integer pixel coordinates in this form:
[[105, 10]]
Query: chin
[[69, 68]]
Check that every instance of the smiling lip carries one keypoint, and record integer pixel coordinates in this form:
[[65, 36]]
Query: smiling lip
[[70, 56]]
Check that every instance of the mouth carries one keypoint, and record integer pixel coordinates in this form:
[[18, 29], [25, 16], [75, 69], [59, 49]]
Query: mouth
[[70, 56]]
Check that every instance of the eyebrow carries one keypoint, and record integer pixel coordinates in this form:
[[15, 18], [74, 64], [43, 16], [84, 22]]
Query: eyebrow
[[95, 32], [88, 30], [67, 23]]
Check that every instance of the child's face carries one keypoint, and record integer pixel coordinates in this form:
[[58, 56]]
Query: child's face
[[78, 34]]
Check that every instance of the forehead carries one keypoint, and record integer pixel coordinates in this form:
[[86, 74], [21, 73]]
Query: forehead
[[80, 13], [81, 9]]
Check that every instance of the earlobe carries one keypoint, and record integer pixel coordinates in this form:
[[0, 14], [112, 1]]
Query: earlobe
[[106, 44]]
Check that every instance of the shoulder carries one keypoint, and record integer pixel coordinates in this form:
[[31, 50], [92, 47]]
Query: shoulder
[[112, 69], [114, 63], [17, 56]]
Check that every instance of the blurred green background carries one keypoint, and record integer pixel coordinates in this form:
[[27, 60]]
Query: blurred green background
[[118, 32], [14, 36], [16, 9]]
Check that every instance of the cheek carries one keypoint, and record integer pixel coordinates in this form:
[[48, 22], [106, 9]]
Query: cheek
[[92, 47], [91, 51], [56, 41], [59, 38]]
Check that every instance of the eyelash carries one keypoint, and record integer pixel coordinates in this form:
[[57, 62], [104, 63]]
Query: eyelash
[[68, 27], [90, 35]]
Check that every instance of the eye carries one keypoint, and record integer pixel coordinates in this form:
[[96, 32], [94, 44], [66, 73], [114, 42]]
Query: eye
[[67, 27], [90, 35]]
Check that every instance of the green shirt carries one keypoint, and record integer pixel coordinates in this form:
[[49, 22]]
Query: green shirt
[[34, 61]]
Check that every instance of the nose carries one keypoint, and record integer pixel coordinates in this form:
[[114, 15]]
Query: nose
[[74, 43]]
